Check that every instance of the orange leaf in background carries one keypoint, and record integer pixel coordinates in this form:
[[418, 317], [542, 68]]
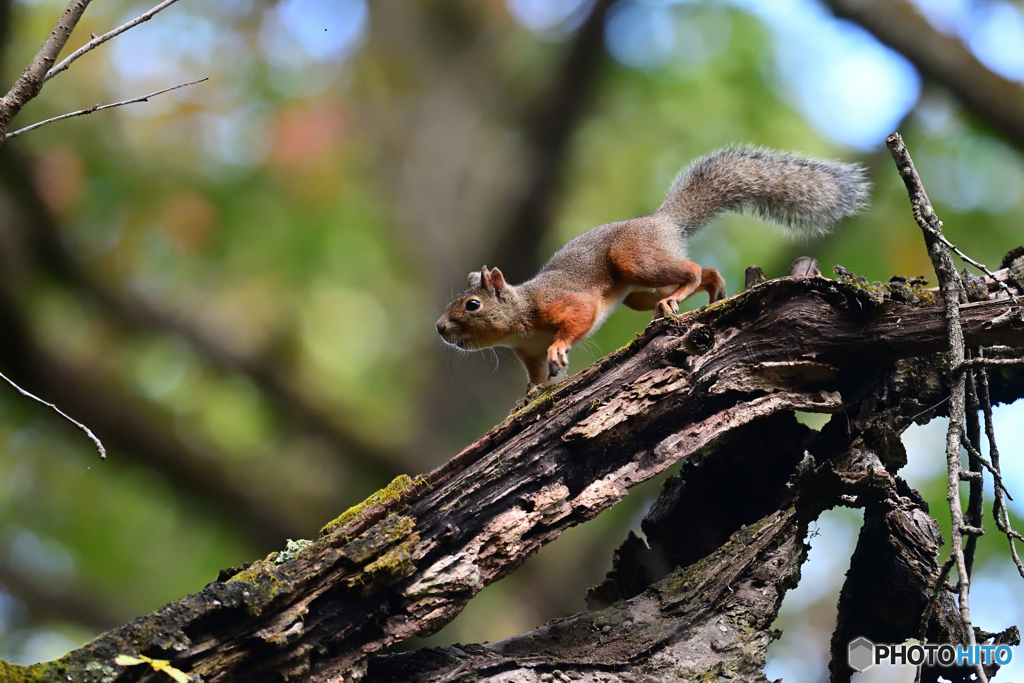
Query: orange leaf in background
[[305, 149]]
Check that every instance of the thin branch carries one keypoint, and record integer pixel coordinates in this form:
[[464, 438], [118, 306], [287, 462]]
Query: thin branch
[[937, 233], [98, 107], [953, 296], [88, 432], [99, 40], [913, 419], [976, 497], [1001, 348], [30, 82], [999, 511], [987, 465], [198, 469], [976, 362], [929, 609]]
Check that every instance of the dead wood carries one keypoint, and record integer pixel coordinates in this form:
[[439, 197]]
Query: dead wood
[[715, 390]]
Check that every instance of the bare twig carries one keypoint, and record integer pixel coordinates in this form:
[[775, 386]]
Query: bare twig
[[130, 312], [30, 82], [977, 362], [98, 107], [1000, 348], [999, 511], [976, 498], [929, 609], [923, 412], [937, 233], [952, 295], [987, 465], [199, 470], [42, 69], [88, 432], [99, 40]]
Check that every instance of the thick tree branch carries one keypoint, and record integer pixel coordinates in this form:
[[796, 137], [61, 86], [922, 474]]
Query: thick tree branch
[[943, 59], [32, 78], [712, 617], [99, 40], [407, 561]]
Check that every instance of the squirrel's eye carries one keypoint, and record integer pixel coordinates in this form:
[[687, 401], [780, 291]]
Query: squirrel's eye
[[473, 305]]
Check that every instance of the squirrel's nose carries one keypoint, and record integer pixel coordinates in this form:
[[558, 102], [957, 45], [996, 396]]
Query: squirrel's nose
[[441, 326]]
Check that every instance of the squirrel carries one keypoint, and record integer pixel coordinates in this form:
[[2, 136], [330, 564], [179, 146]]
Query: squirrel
[[641, 262]]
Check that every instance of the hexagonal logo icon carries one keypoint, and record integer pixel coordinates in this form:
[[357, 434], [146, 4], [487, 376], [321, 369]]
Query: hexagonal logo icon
[[861, 654]]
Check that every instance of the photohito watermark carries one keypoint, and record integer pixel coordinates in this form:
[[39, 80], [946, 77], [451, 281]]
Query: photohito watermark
[[864, 654]]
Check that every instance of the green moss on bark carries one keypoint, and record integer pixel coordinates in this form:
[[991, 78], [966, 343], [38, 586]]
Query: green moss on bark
[[398, 489]]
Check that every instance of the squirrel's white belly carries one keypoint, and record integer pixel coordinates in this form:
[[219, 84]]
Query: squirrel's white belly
[[535, 342], [608, 306], [605, 309]]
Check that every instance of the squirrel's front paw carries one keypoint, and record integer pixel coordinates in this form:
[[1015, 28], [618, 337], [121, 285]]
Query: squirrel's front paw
[[558, 359]]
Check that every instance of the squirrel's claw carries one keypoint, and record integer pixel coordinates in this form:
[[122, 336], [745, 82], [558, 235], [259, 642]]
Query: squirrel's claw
[[667, 308], [558, 359]]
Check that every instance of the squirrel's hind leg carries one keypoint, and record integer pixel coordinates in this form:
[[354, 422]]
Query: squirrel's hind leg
[[652, 259], [659, 271], [642, 300], [711, 281]]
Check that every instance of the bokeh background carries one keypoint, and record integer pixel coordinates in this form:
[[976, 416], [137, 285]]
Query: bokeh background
[[235, 284]]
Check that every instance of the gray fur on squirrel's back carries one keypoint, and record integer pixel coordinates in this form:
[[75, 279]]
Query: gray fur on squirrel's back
[[806, 195]]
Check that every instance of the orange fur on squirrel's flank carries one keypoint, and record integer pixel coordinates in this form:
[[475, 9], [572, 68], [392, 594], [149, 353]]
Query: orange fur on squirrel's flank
[[641, 262]]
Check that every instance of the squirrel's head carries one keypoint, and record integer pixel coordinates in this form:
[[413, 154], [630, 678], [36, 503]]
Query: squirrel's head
[[483, 315]]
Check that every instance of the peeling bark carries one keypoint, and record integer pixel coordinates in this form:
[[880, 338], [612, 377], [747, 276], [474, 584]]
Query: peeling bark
[[710, 619], [715, 390]]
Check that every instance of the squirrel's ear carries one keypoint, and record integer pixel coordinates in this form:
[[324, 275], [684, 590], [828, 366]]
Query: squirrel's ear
[[497, 279], [486, 281], [474, 279]]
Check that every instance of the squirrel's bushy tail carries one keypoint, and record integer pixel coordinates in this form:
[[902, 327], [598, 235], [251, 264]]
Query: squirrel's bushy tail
[[806, 195]]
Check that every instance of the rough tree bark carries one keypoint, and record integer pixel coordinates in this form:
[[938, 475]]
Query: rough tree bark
[[714, 390]]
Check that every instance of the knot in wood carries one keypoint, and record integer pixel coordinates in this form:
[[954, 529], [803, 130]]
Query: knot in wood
[[698, 340]]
